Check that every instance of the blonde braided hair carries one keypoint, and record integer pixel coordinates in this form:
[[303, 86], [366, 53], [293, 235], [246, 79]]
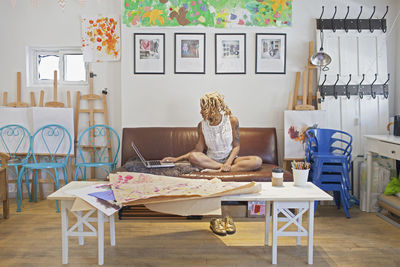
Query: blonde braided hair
[[213, 104]]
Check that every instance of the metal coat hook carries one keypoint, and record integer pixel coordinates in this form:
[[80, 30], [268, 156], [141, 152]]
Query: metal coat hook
[[358, 20], [387, 80], [373, 94], [360, 93], [322, 91], [386, 92], [334, 87], [333, 20], [345, 20], [347, 87], [320, 19], [383, 25], [369, 21]]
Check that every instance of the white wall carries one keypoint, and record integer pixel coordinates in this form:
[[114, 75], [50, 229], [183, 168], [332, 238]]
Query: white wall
[[49, 25], [257, 100]]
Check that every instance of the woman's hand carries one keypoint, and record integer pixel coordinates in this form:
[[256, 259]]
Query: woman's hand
[[225, 167], [169, 159]]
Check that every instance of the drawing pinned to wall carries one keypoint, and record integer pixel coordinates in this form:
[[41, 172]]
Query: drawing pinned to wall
[[82, 3], [296, 124], [35, 3], [100, 38], [208, 13], [62, 4]]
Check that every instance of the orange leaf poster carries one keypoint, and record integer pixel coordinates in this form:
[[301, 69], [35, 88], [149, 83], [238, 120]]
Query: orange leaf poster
[[100, 38]]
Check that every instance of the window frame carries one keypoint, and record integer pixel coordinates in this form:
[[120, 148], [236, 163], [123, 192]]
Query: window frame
[[32, 54]]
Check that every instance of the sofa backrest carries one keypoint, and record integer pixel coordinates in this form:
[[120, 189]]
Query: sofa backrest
[[160, 142]]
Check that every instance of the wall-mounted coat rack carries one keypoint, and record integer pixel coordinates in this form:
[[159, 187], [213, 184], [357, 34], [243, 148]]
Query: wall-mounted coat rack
[[359, 89], [352, 24]]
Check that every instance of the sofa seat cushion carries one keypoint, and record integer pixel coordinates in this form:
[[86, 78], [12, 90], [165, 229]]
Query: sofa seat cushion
[[263, 174], [135, 165], [185, 170]]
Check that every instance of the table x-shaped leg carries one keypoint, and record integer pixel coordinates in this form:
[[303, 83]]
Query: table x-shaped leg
[[290, 218], [77, 229]]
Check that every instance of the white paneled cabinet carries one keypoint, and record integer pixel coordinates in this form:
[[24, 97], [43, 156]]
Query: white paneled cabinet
[[356, 54]]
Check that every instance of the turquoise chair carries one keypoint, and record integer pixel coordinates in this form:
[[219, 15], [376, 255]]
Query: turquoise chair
[[95, 142], [15, 140], [53, 144]]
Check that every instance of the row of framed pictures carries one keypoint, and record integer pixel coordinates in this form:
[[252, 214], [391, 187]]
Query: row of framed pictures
[[190, 53]]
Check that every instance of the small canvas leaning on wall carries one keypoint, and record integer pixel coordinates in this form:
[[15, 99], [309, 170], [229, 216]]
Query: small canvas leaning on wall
[[296, 124]]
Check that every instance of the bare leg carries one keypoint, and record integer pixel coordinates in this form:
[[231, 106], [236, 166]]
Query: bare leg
[[246, 163], [201, 160]]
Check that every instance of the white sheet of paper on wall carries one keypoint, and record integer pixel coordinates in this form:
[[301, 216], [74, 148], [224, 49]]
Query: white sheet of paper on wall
[[295, 124], [61, 116], [19, 116]]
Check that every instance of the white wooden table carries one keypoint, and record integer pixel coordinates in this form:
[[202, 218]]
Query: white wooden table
[[385, 145], [82, 219], [283, 199]]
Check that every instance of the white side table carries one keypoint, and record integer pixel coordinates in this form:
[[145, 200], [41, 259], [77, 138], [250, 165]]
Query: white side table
[[83, 218], [385, 145]]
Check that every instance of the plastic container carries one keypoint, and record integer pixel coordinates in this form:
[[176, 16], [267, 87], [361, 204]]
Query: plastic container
[[300, 177], [277, 177]]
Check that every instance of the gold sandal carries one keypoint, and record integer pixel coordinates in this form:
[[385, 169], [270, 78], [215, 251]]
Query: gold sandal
[[218, 227], [230, 227]]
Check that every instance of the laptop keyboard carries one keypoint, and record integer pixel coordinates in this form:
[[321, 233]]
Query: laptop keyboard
[[154, 162]]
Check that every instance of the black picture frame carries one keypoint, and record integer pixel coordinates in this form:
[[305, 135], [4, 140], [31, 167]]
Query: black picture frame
[[270, 53], [230, 53], [189, 53], [151, 59]]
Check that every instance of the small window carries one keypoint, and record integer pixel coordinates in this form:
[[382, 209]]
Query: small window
[[68, 61]]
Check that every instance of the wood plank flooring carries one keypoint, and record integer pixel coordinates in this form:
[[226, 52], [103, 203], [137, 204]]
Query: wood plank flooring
[[33, 238]]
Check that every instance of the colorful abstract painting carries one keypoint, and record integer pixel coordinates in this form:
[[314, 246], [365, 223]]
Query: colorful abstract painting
[[208, 13], [100, 38]]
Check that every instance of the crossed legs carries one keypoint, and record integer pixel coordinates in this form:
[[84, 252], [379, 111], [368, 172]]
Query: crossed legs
[[246, 163]]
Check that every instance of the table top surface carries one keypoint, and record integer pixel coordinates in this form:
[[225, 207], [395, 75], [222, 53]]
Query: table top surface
[[385, 138], [287, 192]]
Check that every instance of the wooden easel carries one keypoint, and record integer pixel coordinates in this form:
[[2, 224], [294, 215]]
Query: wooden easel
[[307, 86], [54, 103], [18, 103], [91, 97]]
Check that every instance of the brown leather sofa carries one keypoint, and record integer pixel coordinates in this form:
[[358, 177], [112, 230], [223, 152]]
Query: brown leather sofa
[[159, 142]]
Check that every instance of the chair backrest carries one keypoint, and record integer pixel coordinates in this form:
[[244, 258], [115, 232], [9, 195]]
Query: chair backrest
[[15, 140], [53, 141], [328, 141], [96, 142]]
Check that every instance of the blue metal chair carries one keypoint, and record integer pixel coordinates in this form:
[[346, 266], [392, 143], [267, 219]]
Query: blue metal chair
[[15, 140], [329, 152], [53, 142], [96, 141]]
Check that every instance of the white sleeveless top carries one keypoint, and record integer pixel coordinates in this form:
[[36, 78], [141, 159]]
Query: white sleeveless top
[[218, 138]]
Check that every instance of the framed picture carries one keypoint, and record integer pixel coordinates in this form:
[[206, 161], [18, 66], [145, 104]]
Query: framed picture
[[190, 53], [230, 53], [271, 53], [149, 53]]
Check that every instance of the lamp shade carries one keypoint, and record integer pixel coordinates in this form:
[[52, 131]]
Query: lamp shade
[[320, 59]]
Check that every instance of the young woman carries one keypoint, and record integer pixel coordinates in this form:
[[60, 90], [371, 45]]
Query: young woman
[[219, 137]]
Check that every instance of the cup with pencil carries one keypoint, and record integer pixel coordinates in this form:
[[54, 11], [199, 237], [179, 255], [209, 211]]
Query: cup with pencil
[[300, 172]]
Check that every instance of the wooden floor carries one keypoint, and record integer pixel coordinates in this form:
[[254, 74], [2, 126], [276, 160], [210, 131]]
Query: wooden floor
[[33, 238]]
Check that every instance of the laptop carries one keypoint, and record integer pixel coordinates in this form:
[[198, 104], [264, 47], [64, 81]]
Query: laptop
[[151, 163]]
